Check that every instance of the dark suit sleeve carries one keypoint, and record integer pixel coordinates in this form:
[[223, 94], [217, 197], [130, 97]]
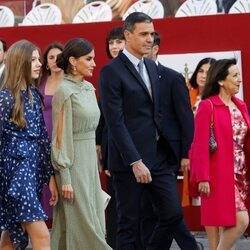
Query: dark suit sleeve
[[111, 96], [184, 113]]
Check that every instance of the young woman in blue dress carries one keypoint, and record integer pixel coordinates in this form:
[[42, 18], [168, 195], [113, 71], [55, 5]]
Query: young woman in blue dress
[[24, 152]]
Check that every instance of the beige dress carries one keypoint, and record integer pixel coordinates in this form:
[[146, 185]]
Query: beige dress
[[75, 113]]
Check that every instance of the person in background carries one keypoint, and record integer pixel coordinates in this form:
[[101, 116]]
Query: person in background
[[3, 50], [221, 177], [114, 43], [120, 7], [171, 6], [198, 80], [197, 83], [176, 113], [224, 5], [25, 152], [68, 8], [78, 218], [50, 80]]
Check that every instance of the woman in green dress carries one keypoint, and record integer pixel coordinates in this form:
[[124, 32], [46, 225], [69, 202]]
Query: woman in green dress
[[78, 219]]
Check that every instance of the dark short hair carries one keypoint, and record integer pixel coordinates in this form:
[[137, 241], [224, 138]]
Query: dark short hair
[[45, 55], [4, 44], [75, 47], [136, 17], [115, 33], [217, 72], [207, 60], [157, 39]]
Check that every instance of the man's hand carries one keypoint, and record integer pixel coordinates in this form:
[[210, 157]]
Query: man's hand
[[141, 172], [99, 158], [185, 164], [99, 152], [107, 173]]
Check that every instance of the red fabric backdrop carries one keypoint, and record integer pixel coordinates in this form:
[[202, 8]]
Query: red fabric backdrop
[[178, 35]]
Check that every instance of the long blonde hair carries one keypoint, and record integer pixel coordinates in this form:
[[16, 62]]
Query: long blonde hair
[[18, 77]]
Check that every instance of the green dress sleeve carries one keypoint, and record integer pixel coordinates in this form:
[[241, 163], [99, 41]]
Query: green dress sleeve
[[62, 154]]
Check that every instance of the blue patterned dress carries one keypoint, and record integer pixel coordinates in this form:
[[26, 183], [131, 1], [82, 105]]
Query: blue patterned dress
[[24, 165]]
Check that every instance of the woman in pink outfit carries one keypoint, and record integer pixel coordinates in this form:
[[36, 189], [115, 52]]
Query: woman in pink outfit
[[222, 178]]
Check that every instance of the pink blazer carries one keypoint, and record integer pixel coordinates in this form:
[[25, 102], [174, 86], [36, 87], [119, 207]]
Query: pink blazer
[[219, 208]]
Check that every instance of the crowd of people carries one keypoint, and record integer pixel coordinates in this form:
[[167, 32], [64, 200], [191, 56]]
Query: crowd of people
[[55, 138]]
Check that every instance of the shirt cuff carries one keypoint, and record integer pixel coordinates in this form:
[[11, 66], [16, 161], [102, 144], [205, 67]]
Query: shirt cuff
[[131, 164]]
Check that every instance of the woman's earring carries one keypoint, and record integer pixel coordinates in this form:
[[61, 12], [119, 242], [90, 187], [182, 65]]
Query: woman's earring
[[74, 68], [47, 67], [221, 84]]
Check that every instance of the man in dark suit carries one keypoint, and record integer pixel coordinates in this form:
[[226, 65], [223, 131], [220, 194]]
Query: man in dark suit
[[177, 121], [177, 126], [138, 156]]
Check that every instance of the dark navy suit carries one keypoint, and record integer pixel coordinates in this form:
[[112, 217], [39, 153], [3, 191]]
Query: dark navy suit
[[129, 112], [133, 122], [177, 127], [177, 121]]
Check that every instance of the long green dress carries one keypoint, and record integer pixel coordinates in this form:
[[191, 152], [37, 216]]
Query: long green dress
[[75, 114]]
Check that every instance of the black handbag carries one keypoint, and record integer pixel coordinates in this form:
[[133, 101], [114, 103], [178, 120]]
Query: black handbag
[[212, 140]]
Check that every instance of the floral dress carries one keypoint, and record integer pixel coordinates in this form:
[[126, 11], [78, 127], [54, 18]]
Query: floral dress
[[241, 184], [24, 165]]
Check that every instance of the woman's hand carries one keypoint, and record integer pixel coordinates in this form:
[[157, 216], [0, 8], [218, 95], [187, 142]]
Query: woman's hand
[[204, 188], [53, 190], [67, 192]]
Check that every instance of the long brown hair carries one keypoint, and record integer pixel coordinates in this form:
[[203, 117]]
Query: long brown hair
[[18, 77]]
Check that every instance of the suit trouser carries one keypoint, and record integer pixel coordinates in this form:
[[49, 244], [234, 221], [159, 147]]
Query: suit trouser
[[179, 231], [181, 234], [163, 190]]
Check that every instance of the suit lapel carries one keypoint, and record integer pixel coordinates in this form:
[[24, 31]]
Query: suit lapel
[[153, 76], [134, 72], [160, 70]]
